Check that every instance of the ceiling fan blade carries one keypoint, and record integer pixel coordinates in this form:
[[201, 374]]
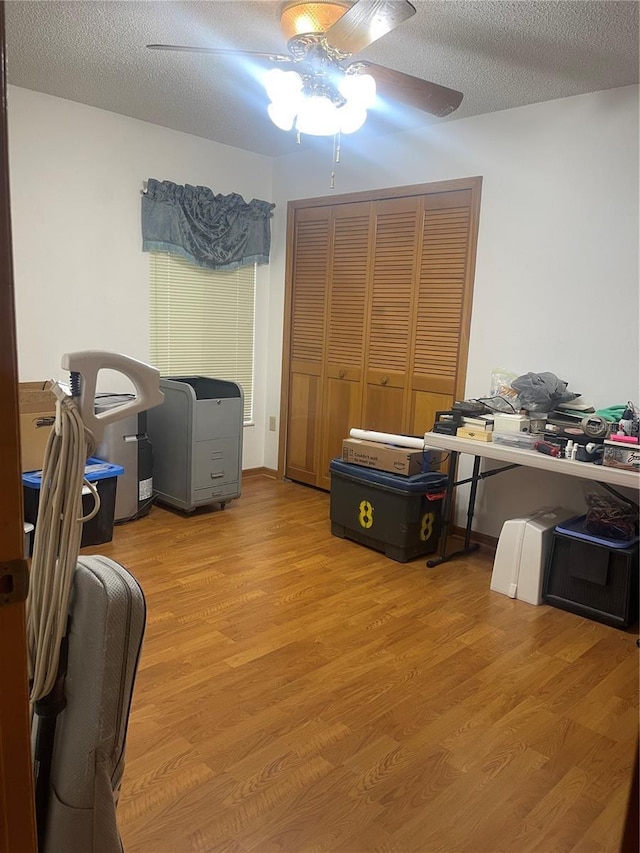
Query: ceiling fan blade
[[222, 51], [413, 91], [366, 21]]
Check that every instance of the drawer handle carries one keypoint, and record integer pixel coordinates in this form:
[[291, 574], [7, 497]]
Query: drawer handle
[[384, 380], [217, 476], [341, 374]]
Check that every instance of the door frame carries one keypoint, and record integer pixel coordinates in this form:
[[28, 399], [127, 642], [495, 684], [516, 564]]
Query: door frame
[[17, 815]]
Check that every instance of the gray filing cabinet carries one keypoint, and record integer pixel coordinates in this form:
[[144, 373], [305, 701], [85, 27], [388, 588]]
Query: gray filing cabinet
[[197, 441]]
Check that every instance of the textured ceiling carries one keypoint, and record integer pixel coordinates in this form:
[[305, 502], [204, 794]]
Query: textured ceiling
[[500, 54]]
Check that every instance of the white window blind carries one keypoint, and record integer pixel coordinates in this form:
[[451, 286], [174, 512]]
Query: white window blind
[[202, 322]]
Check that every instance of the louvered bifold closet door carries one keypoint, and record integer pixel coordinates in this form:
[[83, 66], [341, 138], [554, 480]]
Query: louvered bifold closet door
[[379, 288], [391, 311], [308, 324], [347, 302], [443, 305]]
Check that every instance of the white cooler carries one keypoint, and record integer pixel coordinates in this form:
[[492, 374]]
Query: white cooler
[[521, 555]]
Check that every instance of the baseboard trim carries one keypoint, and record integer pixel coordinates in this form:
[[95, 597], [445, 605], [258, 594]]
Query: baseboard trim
[[271, 473], [480, 538]]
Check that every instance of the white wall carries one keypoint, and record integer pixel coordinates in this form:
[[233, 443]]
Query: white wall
[[81, 277], [556, 283], [557, 270]]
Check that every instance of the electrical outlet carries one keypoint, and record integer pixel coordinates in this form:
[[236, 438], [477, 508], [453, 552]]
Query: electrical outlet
[[272, 424]]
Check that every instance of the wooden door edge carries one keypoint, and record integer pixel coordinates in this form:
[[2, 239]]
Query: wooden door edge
[[286, 344], [17, 821]]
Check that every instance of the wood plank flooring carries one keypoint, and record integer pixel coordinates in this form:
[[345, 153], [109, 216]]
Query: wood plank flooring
[[301, 693]]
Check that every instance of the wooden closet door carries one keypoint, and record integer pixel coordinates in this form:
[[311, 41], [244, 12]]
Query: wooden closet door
[[392, 306], [347, 301], [443, 306], [378, 307], [308, 323]]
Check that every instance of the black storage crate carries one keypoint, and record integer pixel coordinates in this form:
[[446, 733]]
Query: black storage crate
[[99, 529], [385, 511], [596, 580]]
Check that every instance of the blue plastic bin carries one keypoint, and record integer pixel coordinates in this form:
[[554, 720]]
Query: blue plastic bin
[[592, 576], [105, 475], [576, 527]]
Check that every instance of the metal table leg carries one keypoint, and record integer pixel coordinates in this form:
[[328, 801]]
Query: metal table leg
[[446, 521], [471, 505], [448, 503]]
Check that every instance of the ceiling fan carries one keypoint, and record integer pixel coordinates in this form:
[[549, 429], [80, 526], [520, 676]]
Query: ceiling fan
[[323, 92]]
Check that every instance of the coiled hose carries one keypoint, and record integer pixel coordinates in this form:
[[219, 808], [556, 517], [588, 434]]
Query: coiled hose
[[56, 544]]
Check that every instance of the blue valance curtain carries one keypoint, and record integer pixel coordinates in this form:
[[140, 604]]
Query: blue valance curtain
[[218, 232]]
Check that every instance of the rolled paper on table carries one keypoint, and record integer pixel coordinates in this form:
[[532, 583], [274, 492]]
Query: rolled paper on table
[[389, 438]]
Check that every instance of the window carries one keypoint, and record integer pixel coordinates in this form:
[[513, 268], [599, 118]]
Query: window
[[202, 322]]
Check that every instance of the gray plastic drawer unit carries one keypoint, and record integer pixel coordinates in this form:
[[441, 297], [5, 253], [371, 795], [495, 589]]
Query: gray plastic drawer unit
[[197, 441]]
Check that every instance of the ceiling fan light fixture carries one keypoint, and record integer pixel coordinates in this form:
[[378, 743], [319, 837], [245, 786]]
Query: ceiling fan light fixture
[[315, 106], [325, 97], [298, 18]]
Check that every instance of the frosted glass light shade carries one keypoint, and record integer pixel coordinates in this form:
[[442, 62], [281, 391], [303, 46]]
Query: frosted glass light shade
[[282, 115], [351, 118], [359, 89], [282, 86], [317, 116]]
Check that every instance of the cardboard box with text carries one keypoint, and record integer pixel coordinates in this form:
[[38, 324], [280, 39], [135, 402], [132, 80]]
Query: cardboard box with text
[[387, 457], [37, 408]]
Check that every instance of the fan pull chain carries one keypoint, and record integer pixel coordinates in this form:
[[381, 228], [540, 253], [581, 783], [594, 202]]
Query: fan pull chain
[[332, 177], [335, 158]]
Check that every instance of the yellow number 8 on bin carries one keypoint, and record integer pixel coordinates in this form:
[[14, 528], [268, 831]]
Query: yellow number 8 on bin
[[366, 515]]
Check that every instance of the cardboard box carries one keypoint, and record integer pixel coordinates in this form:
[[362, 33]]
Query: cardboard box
[[37, 409], [386, 457]]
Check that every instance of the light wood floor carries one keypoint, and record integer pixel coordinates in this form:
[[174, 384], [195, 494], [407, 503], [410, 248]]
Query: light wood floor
[[300, 693]]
